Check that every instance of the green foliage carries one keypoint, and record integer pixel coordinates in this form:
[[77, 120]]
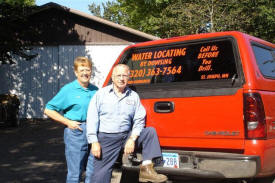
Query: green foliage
[[12, 20], [262, 13], [167, 18], [196, 16], [19, 2], [136, 14], [94, 9]]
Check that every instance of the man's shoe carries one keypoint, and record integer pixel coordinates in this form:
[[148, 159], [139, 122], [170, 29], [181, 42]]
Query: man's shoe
[[147, 173]]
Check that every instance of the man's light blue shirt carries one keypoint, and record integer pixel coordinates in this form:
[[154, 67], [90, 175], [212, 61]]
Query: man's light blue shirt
[[109, 113], [72, 100]]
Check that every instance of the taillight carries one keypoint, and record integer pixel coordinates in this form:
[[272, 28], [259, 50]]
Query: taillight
[[254, 116]]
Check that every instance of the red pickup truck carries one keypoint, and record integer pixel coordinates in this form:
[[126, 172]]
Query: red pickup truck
[[211, 98]]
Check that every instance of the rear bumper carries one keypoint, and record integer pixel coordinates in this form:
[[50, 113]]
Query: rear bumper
[[185, 172], [208, 165]]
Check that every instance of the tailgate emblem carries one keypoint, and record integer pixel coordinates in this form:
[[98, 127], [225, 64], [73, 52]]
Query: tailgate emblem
[[222, 133]]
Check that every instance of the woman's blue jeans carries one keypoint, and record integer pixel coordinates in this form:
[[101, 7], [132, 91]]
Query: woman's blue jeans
[[77, 154]]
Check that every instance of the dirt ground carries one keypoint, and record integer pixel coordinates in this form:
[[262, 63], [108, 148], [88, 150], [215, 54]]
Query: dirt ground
[[33, 153]]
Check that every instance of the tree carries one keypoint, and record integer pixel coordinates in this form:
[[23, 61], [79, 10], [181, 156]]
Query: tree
[[190, 17], [140, 15], [167, 18], [262, 13], [12, 19]]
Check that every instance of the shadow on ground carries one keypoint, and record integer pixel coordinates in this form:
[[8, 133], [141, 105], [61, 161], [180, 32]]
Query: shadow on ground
[[33, 152]]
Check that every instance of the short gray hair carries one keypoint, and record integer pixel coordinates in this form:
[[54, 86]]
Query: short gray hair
[[121, 65]]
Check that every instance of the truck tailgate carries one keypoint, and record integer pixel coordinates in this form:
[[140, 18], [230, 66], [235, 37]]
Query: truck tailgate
[[199, 122]]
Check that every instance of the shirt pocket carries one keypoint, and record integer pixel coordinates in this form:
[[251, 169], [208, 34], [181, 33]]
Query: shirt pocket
[[107, 107], [129, 108]]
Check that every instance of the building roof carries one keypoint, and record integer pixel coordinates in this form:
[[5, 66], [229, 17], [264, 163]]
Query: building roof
[[97, 19]]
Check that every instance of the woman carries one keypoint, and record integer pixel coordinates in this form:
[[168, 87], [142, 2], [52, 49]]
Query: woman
[[72, 100]]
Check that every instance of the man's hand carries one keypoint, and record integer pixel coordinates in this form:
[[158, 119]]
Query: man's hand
[[96, 149], [74, 125], [129, 146]]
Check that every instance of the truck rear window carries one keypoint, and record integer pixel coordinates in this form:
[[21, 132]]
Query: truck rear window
[[181, 62]]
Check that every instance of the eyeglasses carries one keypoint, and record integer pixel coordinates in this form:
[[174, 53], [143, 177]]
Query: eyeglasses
[[121, 76]]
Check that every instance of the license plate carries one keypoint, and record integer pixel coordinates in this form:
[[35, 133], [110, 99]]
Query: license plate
[[171, 160]]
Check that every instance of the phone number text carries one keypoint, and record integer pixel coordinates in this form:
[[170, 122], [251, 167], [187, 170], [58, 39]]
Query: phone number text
[[148, 72]]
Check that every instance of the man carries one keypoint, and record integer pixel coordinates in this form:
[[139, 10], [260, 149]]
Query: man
[[116, 119], [72, 100]]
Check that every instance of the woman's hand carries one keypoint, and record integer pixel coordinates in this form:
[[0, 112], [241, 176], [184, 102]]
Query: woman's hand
[[74, 125]]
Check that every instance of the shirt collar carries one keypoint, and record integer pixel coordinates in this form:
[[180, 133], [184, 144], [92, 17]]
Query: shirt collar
[[77, 85]]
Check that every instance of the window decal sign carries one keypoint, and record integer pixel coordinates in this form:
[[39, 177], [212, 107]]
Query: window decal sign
[[179, 63]]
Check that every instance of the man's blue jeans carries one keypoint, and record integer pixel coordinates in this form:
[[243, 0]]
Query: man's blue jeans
[[77, 154]]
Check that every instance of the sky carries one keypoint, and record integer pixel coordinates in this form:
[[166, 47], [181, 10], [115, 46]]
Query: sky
[[81, 5]]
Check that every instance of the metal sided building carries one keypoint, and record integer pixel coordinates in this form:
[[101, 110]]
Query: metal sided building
[[62, 35]]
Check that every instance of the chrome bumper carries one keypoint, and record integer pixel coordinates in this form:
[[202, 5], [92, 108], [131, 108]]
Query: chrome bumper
[[206, 165]]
